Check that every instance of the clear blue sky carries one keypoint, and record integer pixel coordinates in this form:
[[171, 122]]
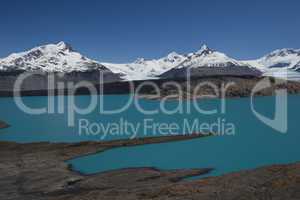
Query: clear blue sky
[[121, 30]]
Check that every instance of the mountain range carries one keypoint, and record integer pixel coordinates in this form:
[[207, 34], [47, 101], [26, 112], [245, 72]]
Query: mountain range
[[61, 57]]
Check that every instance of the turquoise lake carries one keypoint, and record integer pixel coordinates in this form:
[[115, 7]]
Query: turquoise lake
[[254, 144]]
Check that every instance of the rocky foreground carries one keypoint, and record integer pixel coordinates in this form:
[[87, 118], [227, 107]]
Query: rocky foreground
[[39, 171]]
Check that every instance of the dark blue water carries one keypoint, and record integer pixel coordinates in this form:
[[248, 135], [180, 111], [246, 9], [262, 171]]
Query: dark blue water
[[254, 143]]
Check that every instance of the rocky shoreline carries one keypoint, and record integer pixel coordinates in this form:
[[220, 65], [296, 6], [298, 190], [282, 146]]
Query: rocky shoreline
[[236, 87], [39, 171], [241, 87]]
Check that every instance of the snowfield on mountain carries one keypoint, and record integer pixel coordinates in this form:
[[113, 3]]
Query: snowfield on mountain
[[143, 69]]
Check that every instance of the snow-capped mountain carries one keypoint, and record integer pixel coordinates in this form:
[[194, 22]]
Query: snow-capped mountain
[[283, 63], [143, 69], [281, 58], [58, 57], [52, 58], [208, 62], [207, 57], [61, 57]]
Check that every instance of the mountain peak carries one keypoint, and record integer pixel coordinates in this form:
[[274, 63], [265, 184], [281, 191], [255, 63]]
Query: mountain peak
[[61, 43], [173, 54], [58, 57], [140, 61], [283, 52], [64, 46], [204, 49]]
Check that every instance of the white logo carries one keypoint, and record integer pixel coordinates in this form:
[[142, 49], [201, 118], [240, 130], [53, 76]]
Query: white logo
[[279, 122]]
